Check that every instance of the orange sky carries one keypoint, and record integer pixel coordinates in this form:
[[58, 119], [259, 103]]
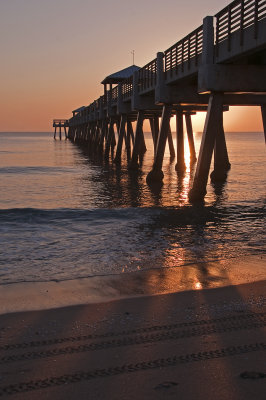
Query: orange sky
[[54, 53]]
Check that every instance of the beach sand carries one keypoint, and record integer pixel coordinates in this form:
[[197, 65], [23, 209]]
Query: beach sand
[[140, 340]]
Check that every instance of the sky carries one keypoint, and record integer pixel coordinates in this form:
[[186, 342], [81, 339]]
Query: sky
[[55, 53]]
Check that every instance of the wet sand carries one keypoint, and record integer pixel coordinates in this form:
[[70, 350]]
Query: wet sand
[[45, 295], [192, 344]]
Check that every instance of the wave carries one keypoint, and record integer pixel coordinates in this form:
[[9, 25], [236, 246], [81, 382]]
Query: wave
[[64, 243], [8, 135], [37, 170], [164, 215]]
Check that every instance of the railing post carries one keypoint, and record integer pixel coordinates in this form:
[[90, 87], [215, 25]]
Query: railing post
[[208, 41], [217, 36], [135, 91], [160, 89], [256, 16], [119, 99], [242, 16], [229, 28]]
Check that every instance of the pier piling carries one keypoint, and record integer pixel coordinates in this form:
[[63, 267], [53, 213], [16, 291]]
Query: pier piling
[[180, 165], [193, 157], [138, 142], [212, 128], [60, 123], [156, 174]]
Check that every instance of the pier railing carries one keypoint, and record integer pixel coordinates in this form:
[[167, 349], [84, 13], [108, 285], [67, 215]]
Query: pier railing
[[127, 88], [114, 95], [147, 76], [60, 122], [238, 16], [183, 55]]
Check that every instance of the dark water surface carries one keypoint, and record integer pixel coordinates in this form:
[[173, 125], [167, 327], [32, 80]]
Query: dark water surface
[[64, 215]]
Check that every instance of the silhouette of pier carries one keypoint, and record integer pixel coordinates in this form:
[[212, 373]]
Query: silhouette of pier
[[60, 123], [219, 64]]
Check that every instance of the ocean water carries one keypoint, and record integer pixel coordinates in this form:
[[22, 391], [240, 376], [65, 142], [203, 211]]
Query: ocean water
[[65, 213]]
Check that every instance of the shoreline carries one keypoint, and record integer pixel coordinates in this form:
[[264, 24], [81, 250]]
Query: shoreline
[[97, 349], [34, 296]]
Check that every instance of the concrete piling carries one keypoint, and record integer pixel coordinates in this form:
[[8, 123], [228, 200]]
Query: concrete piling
[[213, 124], [156, 174]]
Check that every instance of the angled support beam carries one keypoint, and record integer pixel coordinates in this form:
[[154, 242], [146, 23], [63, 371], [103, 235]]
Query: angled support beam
[[89, 133], [154, 125], [138, 141], [131, 131], [214, 119], [180, 165], [171, 143], [110, 135], [193, 157], [143, 147], [156, 130], [122, 131], [128, 139], [151, 121], [156, 174], [73, 132], [221, 159], [92, 133], [77, 134], [99, 132], [86, 132], [117, 125], [103, 134]]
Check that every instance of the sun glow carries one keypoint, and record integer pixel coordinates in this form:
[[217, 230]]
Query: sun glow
[[198, 285]]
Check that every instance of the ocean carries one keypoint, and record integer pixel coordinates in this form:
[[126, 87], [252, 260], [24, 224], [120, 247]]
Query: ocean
[[66, 214]]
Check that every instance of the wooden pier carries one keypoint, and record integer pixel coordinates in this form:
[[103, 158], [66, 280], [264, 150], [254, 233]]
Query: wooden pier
[[221, 63], [60, 123]]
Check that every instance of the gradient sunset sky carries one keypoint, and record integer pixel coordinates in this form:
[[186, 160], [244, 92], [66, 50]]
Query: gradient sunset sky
[[55, 53]]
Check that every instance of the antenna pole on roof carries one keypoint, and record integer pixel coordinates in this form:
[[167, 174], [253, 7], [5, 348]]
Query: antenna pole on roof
[[133, 56]]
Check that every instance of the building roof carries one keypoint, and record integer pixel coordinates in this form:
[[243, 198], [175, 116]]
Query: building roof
[[121, 75]]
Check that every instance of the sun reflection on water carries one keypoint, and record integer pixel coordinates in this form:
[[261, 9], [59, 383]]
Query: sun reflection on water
[[185, 178], [198, 285], [187, 155]]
